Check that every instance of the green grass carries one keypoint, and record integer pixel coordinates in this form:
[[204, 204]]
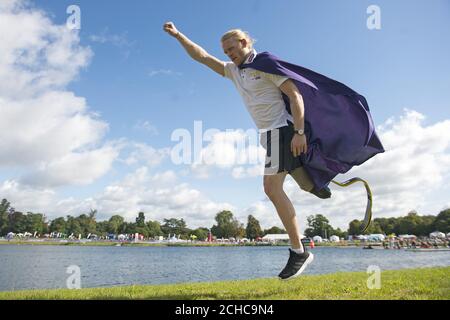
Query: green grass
[[428, 284]]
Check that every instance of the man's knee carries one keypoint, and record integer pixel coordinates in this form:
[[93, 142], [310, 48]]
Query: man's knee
[[272, 187]]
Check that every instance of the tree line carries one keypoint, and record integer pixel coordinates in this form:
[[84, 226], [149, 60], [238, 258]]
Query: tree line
[[412, 223], [226, 225]]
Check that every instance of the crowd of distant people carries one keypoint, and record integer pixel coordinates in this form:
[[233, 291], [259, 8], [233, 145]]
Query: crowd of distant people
[[426, 243]]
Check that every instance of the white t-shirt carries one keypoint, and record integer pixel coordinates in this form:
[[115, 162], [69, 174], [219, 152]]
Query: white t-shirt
[[261, 95]]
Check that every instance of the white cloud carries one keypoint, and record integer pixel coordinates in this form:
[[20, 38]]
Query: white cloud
[[74, 168], [114, 39], [165, 72], [415, 163], [46, 129], [232, 150], [25, 199], [37, 55], [146, 126], [10, 5], [117, 40], [264, 212], [247, 172], [143, 153]]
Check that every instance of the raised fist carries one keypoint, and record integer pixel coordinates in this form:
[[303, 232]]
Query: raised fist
[[170, 28]]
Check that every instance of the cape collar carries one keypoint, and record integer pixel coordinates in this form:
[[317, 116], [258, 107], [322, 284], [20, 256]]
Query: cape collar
[[249, 59]]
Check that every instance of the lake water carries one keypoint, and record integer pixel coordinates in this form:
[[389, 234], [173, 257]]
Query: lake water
[[42, 267]]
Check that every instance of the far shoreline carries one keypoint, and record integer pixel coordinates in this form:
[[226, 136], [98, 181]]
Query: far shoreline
[[162, 244]]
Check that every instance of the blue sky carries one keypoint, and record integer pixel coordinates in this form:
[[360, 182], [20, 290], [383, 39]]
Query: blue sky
[[138, 74], [330, 37]]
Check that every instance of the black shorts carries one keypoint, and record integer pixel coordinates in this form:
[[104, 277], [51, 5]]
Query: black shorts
[[279, 157]]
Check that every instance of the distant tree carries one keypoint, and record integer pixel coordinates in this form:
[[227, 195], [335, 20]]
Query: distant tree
[[387, 225], [17, 222], [318, 226], [406, 225], [341, 234], [129, 228], [174, 226], [101, 228], [140, 227], [73, 226], [4, 223], [253, 229], [227, 226], [426, 226], [201, 233], [274, 230], [374, 228], [240, 230], [142, 230], [115, 224], [412, 223], [354, 228], [442, 221], [87, 223], [58, 225], [140, 220], [92, 214], [35, 222], [309, 232], [154, 229]]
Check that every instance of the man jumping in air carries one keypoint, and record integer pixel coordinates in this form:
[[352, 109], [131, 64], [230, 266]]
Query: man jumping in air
[[312, 127]]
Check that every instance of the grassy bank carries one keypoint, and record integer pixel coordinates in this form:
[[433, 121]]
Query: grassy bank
[[430, 283]]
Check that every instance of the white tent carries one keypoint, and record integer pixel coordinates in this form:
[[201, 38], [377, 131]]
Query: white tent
[[437, 234], [334, 239], [276, 237], [376, 237], [317, 239], [174, 238], [407, 236]]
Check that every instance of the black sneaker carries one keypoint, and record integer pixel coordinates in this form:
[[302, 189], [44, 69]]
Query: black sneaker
[[323, 193], [296, 264]]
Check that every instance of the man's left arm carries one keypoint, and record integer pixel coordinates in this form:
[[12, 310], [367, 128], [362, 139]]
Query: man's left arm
[[298, 143]]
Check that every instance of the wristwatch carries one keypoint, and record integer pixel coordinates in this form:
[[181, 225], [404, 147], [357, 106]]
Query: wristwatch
[[300, 132]]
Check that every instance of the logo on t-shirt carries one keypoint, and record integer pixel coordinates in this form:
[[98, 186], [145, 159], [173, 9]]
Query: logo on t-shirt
[[254, 75]]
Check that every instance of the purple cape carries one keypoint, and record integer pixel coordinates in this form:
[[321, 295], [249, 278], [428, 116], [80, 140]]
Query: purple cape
[[338, 125]]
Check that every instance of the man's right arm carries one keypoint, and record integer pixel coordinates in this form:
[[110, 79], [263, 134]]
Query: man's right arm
[[195, 51]]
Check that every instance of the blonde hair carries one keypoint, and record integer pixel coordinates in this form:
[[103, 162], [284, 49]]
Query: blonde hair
[[238, 34]]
